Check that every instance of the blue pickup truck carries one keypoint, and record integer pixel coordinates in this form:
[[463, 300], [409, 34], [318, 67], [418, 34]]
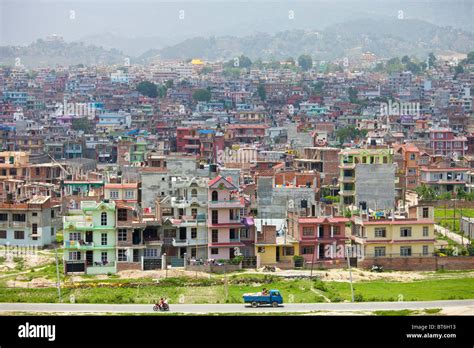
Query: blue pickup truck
[[273, 298]]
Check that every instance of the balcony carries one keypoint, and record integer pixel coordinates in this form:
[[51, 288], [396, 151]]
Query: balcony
[[347, 166], [4, 224], [347, 179], [347, 192], [78, 244], [18, 224], [179, 242], [152, 241], [233, 203]]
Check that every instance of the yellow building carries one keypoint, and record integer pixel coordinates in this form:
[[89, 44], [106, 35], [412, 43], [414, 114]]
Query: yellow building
[[409, 237], [273, 246]]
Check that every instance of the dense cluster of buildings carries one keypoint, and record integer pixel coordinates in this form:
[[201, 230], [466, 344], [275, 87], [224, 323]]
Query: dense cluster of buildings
[[266, 177]]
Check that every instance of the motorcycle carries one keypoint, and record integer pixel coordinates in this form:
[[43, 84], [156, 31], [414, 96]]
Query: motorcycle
[[165, 307], [377, 268]]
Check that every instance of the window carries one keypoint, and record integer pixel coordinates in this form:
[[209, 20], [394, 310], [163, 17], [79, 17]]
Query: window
[[34, 214], [308, 231], [74, 236], [215, 219], [307, 250], [34, 228], [214, 251], [412, 157], [385, 159], [104, 257], [103, 239], [3, 234], [129, 194], [74, 255], [380, 232], [194, 193], [244, 233], [151, 253], [411, 171], [122, 235], [193, 252], [425, 213], [439, 135], [261, 250], [3, 217], [37, 171], [405, 251], [379, 251], [103, 219], [405, 231], [425, 249], [194, 232], [215, 236], [426, 231], [214, 196], [122, 255], [122, 215], [19, 217], [289, 251], [336, 230]]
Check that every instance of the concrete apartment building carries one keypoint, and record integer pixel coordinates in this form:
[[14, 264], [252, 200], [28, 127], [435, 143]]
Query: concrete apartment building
[[224, 219], [90, 238], [396, 237], [29, 223], [367, 176]]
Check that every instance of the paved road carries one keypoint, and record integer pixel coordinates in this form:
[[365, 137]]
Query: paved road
[[451, 235], [231, 308]]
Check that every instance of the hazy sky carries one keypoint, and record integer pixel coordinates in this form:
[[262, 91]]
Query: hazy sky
[[23, 21]]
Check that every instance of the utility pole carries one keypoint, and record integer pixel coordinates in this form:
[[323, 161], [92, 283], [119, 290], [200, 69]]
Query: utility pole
[[226, 288], [350, 271], [454, 220], [57, 275]]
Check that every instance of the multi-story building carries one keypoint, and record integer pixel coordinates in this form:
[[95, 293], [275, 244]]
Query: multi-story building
[[90, 238], [444, 142], [445, 179], [224, 219], [31, 223], [396, 237], [319, 238], [373, 172]]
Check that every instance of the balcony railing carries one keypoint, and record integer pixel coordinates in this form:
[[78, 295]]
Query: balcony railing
[[78, 244], [226, 204]]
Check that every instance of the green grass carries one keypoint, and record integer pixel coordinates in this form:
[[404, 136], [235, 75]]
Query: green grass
[[408, 312], [424, 290], [439, 213], [190, 290]]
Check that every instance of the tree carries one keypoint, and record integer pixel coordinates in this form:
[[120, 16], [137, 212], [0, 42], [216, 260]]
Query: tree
[[431, 59], [425, 193], [350, 133], [81, 124], [239, 62], [148, 89], [205, 70], [202, 95], [305, 62], [413, 67], [261, 92], [353, 95], [458, 70], [405, 59]]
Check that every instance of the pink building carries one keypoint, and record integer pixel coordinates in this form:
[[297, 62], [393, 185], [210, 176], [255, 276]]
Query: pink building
[[224, 220], [443, 142]]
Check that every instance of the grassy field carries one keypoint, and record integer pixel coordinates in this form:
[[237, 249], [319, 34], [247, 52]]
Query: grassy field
[[187, 290], [449, 219]]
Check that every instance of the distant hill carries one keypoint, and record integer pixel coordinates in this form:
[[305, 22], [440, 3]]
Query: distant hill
[[43, 53], [386, 38]]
